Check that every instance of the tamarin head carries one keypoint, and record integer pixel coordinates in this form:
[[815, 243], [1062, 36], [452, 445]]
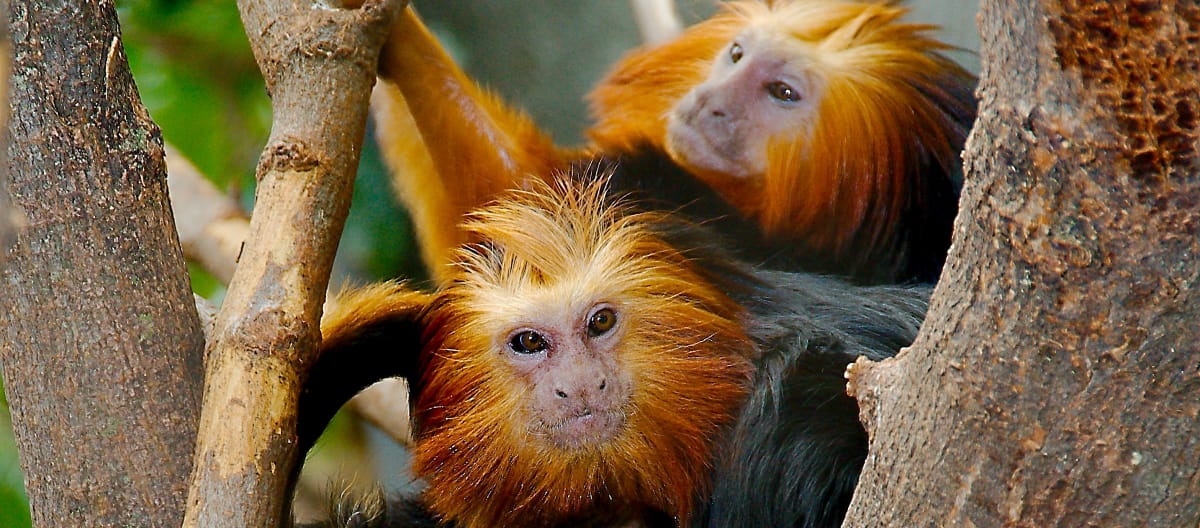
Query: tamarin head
[[764, 83], [811, 89], [824, 120], [577, 361]]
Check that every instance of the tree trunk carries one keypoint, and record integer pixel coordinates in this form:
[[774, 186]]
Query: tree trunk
[[99, 339], [1057, 380]]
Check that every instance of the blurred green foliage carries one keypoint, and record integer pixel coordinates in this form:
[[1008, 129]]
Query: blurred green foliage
[[14, 507], [198, 78]]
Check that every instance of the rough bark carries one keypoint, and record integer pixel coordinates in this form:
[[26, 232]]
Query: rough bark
[[1057, 379], [319, 65], [99, 339]]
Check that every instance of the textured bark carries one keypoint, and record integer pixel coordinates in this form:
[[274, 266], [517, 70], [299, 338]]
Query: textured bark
[[319, 65], [1057, 379], [99, 339]]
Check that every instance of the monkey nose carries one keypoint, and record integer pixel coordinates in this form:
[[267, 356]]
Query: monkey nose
[[565, 393]]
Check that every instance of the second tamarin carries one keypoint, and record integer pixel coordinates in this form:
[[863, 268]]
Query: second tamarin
[[833, 125]]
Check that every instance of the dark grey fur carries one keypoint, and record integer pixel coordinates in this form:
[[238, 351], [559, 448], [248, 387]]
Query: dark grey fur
[[794, 456]]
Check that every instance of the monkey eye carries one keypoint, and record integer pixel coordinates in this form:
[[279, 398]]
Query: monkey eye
[[527, 342], [781, 91], [601, 322], [735, 52]]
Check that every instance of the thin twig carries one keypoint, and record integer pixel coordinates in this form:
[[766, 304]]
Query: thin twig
[[658, 20]]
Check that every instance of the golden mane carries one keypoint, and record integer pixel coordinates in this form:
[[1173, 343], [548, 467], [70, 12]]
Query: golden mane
[[564, 244], [890, 112], [893, 117]]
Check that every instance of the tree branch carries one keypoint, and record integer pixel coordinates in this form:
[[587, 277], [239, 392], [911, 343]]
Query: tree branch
[[212, 228], [319, 64]]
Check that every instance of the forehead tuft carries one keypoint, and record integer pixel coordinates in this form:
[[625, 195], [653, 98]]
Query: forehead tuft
[[561, 241]]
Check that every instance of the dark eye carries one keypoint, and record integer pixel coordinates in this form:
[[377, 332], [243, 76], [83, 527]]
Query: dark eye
[[783, 92], [602, 321], [527, 342], [735, 52]]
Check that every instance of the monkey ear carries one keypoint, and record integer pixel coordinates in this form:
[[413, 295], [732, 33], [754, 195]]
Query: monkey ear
[[369, 334]]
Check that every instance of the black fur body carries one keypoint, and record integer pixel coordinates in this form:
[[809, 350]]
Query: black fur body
[[923, 233], [915, 256]]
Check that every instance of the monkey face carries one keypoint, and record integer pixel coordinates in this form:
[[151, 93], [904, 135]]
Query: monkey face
[[762, 86], [579, 360], [568, 364]]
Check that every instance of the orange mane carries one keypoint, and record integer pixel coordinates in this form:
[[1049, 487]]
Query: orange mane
[[890, 112], [556, 246]]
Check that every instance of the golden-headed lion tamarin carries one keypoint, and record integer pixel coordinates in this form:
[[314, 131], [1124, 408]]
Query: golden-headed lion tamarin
[[832, 125], [593, 361]]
